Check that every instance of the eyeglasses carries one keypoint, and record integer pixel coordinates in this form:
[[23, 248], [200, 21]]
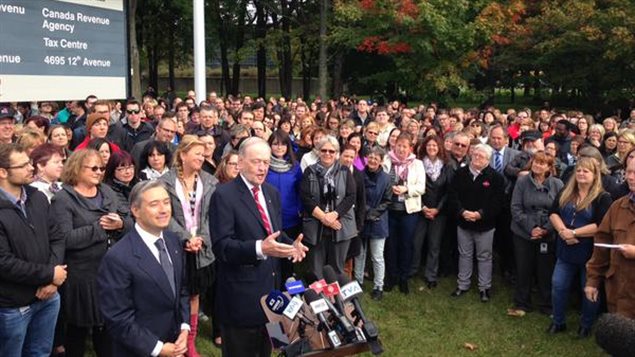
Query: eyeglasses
[[232, 164], [372, 133], [124, 168], [327, 151], [133, 111], [95, 168], [168, 130], [21, 166], [460, 145], [623, 142]]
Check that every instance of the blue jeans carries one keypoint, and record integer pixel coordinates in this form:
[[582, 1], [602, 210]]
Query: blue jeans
[[563, 275], [29, 330]]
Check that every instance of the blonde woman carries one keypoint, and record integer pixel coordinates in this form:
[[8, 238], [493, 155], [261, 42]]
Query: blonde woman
[[190, 189], [625, 143], [576, 214]]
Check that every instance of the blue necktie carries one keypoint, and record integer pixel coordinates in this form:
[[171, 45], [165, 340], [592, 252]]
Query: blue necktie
[[165, 263], [498, 162]]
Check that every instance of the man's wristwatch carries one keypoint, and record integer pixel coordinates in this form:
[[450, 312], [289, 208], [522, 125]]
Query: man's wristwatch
[[573, 231]]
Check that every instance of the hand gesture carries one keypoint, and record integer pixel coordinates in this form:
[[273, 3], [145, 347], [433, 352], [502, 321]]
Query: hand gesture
[[300, 249], [272, 248], [111, 222]]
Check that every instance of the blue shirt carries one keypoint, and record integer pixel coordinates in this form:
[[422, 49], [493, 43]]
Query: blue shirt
[[19, 203]]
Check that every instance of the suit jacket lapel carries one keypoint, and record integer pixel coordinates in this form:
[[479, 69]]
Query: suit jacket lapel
[[148, 263], [271, 209]]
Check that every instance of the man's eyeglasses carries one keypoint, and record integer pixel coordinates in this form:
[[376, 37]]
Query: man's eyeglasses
[[460, 145], [21, 166], [133, 111], [95, 168]]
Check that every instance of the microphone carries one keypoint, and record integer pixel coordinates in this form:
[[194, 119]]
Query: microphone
[[279, 304], [345, 327], [294, 287], [616, 335], [319, 306], [351, 291], [331, 277]]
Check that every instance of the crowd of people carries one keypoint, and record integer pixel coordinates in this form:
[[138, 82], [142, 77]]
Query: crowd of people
[[388, 193]]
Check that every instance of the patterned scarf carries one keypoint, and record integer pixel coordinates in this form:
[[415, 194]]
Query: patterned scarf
[[433, 168], [280, 165]]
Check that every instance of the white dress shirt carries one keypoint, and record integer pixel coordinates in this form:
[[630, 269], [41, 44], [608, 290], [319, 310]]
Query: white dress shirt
[[263, 204]]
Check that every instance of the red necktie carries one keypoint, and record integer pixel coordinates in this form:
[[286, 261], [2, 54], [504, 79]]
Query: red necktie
[[263, 215]]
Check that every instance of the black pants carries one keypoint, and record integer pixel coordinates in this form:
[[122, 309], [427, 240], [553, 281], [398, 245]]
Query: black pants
[[503, 243], [245, 341], [531, 262], [76, 341]]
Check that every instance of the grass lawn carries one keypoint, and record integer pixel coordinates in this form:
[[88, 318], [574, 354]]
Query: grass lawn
[[431, 323]]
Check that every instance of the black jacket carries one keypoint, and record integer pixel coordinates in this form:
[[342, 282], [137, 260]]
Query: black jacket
[[437, 191], [485, 195], [30, 248]]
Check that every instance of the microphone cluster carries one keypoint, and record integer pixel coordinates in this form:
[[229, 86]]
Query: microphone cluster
[[331, 306]]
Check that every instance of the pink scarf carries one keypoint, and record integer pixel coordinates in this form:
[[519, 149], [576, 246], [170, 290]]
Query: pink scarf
[[401, 166]]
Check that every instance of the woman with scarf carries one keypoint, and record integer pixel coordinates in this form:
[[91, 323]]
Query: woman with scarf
[[328, 194], [285, 175], [190, 189], [431, 227], [409, 184]]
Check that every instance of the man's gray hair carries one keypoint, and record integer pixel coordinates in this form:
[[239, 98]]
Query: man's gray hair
[[250, 141], [139, 189], [328, 139], [483, 148]]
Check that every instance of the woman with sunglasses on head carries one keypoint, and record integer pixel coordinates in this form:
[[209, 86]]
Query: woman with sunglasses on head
[[92, 218], [120, 174], [328, 195], [190, 189]]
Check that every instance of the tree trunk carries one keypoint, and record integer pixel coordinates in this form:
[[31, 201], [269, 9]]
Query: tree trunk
[[171, 65], [305, 58], [323, 68], [261, 54], [338, 63], [135, 78]]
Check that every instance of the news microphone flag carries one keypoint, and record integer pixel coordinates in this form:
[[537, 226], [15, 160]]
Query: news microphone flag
[[295, 287], [318, 285], [331, 289]]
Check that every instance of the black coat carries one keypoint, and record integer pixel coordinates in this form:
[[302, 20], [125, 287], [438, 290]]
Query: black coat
[[86, 244], [30, 248], [437, 191], [485, 195]]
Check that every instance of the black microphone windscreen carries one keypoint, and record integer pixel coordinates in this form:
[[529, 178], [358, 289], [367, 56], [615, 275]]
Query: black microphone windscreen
[[310, 296], [310, 277], [616, 335], [343, 279], [329, 274], [290, 280]]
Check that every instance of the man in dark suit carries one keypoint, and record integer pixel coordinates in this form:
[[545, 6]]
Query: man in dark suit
[[501, 156], [140, 281], [245, 223]]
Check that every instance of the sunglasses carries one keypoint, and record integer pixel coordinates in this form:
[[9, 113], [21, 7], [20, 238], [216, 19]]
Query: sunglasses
[[133, 111], [96, 168], [460, 145], [327, 151], [372, 133]]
